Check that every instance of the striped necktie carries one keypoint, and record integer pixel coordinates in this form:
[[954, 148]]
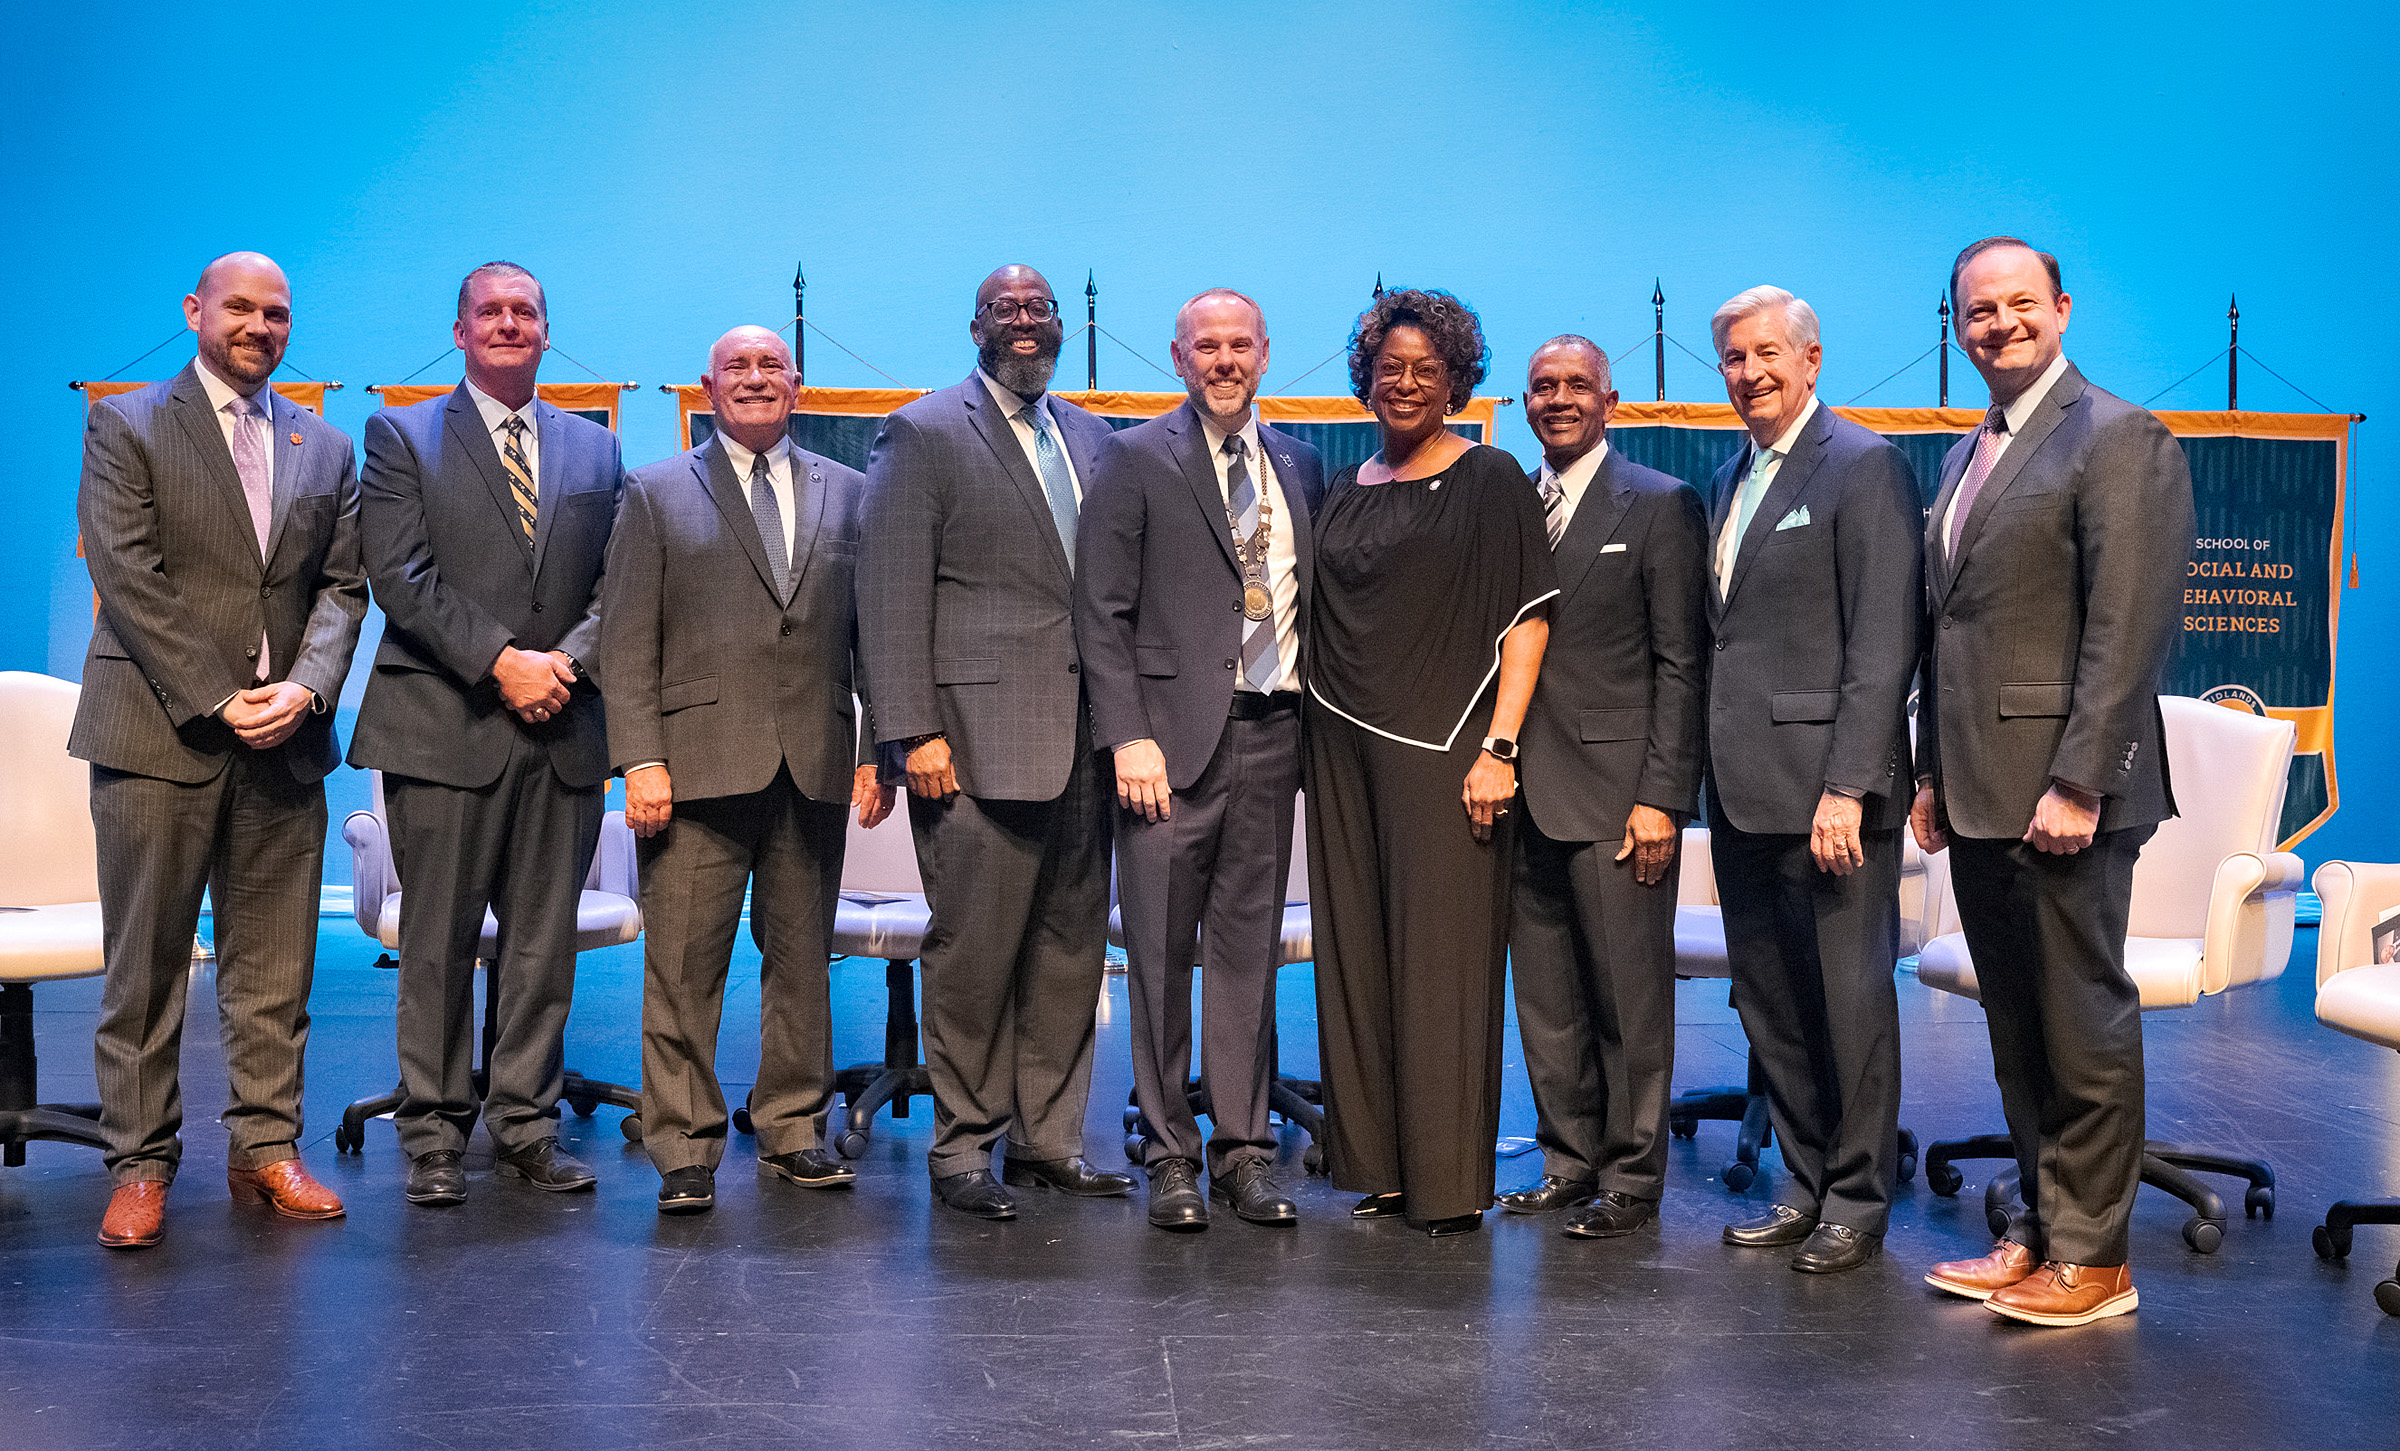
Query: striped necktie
[[521, 487], [1262, 664], [1554, 507]]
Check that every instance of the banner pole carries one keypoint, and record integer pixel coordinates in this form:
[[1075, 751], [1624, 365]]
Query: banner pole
[[1945, 348], [1379, 286], [1091, 331], [1658, 332], [799, 326], [2233, 353]]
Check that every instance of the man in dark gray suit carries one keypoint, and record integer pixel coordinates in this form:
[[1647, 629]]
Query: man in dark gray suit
[[2054, 556], [1610, 768], [1814, 602], [1188, 514], [485, 517], [967, 646], [725, 638], [220, 522]]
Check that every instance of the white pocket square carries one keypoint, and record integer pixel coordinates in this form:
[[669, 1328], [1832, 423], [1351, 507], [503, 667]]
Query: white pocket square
[[1612, 549], [1794, 519]]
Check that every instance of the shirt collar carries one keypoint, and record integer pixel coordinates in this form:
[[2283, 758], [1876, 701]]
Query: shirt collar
[[2020, 412], [496, 412], [1783, 446], [221, 392], [1216, 436], [1011, 404], [1579, 474], [740, 457]]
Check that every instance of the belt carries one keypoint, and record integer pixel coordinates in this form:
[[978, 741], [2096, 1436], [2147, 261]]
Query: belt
[[1251, 705]]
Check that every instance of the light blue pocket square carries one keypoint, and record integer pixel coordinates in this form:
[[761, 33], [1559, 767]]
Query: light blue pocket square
[[1794, 519]]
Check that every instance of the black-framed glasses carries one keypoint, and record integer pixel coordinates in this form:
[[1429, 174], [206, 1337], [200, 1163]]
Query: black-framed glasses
[[1005, 310]]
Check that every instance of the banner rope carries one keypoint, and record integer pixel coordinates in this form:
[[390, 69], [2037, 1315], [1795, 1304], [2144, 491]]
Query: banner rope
[[2186, 378], [845, 347], [1329, 357], [2286, 382], [1896, 372], [179, 332], [1120, 342], [562, 352], [446, 352]]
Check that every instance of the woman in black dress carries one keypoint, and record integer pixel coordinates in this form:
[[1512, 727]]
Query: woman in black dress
[[1430, 615]]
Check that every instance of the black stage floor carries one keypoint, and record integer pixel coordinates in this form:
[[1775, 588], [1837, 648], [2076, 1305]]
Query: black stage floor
[[788, 1317]]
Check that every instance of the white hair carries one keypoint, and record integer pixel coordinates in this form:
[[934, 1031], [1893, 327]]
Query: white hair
[[1799, 319]]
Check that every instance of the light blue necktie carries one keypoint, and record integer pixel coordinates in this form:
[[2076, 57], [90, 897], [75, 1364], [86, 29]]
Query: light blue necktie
[[770, 526], [1754, 490], [1057, 483], [1262, 666]]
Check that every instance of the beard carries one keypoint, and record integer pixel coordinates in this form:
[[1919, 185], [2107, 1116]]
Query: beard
[[243, 367], [1025, 374]]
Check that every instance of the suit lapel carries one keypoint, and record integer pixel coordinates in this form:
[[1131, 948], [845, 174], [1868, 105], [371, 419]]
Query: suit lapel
[[811, 509], [714, 467], [287, 446], [1603, 506], [1725, 488], [1937, 554], [550, 426], [983, 414], [465, 422], [200, 426], [1791, 476], [2045, 420], [1200, 471]]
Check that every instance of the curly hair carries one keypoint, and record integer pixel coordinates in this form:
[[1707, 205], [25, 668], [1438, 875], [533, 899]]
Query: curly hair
[[1449, 324]]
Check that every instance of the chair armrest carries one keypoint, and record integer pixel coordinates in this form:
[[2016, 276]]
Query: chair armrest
[[1696, 879], [371, 873], [614, 866], [2354, 894], [2249, 933]]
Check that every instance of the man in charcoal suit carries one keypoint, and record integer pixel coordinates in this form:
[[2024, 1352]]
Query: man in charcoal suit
[[220, 522], [1610, 754], [725, 636], [2053, 557], [1814, 604], [1198, 698], [485, 516], [967, 648]]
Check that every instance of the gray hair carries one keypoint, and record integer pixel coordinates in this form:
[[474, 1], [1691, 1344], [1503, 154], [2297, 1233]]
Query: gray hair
[[1599, 354], [1799, 319]]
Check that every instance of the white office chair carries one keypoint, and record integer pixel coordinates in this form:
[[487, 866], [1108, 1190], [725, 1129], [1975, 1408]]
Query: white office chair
[[2361, 997], [49, 897], [882, 913], [609, 914], [2212, 909]]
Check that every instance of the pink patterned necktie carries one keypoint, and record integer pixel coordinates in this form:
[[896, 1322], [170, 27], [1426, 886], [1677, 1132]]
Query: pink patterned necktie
[[258, 482], [1979, 468]]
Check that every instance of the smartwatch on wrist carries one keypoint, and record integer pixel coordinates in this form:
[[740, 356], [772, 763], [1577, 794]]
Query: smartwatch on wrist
[[1501, 749]]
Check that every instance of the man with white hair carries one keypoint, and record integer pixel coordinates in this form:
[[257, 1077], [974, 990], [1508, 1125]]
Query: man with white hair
[[1814, 602]]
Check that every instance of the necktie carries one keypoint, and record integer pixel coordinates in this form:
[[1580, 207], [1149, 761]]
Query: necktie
[[770, 526], [1554, 508], [1057, 483], [1262, 665], [520, 475], [258, 483], [1745, 507], [1979, 468]]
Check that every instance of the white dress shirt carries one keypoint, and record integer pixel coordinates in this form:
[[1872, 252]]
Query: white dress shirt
[[1010, 406], [1573, 482], [495, 413], [1728, 543], [779, 479], [1283, 559], [2017, 415]]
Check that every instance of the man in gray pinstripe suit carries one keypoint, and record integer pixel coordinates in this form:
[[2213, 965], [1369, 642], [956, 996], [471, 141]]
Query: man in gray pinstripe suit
[[220, 522]]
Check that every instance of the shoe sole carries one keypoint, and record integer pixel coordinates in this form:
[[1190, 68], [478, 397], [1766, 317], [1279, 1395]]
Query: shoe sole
[[1507, 1208], [1035, 1181], [507, 1170], [994, 1216], [1180, 1226], [243, 1194], [2120, 1305], [1830, 1269], [830, 1181], [128, 1242], [685, 1206], [1288, 1217], [439, 1198], [1573, 1231], [1964, 1292]]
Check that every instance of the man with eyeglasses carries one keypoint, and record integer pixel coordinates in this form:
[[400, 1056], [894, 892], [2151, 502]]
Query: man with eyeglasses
[[975, 692]]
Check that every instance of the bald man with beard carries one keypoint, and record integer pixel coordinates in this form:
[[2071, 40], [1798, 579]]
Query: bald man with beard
[[220, 522]]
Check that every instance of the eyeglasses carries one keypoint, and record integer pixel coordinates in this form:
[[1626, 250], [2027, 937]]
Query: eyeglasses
[[1429, 372], [1003, 310]]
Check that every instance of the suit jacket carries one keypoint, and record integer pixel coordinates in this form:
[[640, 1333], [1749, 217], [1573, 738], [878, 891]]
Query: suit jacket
[[2051, 628], [185, 593], [1615, 719], [1816, 645], [965, 598], [458, 583], [1155, 560], [710, 671]]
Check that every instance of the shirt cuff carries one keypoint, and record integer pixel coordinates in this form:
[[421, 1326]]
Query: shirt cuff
[[1848, 793], [644, 766], [1136, 741]]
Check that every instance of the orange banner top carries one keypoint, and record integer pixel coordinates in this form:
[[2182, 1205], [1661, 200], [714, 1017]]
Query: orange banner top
[[573, 397], [310, 396]]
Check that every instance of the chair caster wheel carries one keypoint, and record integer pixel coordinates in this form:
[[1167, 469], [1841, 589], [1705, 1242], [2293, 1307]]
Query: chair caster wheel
[[2330, 1243], [631, 1127], [1908, 1167], [1684, 1128], [583, 1106], [852, 1143], [1740, 1176], [2387, 1296], [741, 1120], [2259, 1200], [1133, 1118], [1944, 1178], [1997, 1221], [348, 1141], [1312, 1159], [2204, 1235], [1134, 1144]]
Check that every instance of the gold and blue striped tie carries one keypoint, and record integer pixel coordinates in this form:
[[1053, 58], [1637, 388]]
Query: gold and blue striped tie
[[520, 475]]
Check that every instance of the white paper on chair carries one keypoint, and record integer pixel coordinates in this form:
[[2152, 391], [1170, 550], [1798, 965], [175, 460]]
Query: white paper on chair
[[2385, 939]]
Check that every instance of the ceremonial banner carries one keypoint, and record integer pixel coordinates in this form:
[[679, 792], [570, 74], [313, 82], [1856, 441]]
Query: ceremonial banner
[[2261, 599], [595, 401], [840, 423], [310, 396]]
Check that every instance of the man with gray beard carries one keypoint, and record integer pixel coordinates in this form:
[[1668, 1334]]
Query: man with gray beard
[[967, 660]]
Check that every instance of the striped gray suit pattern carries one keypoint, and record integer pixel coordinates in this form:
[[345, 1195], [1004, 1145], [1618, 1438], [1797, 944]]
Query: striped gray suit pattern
[[178, 803]]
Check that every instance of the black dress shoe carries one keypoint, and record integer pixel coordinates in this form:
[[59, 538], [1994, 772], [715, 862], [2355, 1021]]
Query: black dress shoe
[[1380, 1206], [1068, 1176], [1250, 1188], [437, 1177], [687, 1190], [545, 1165], [1175, 1201], [1552, 1193], [975, 1192], [1455, 1224], [1609, 1216], [1836, 1247], [1780, 1225], [810, 1169]]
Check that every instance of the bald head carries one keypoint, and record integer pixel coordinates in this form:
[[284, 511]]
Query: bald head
[[752, 386], [1014, 277], [242, 310], [746, 338]]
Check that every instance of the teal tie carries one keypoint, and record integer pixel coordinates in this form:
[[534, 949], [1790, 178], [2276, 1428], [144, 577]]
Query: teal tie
[[1754, 490], [1057, 483]]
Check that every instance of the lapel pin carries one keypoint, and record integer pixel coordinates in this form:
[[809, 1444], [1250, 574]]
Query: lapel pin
[[295, 440]]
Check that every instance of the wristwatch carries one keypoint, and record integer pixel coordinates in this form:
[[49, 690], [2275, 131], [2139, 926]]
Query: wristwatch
[[1501, 749]]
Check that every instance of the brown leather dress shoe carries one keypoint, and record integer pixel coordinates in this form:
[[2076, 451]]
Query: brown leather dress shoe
[[1978, 1279], [288, 1186], [2059, 1294], [137, 1215]]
